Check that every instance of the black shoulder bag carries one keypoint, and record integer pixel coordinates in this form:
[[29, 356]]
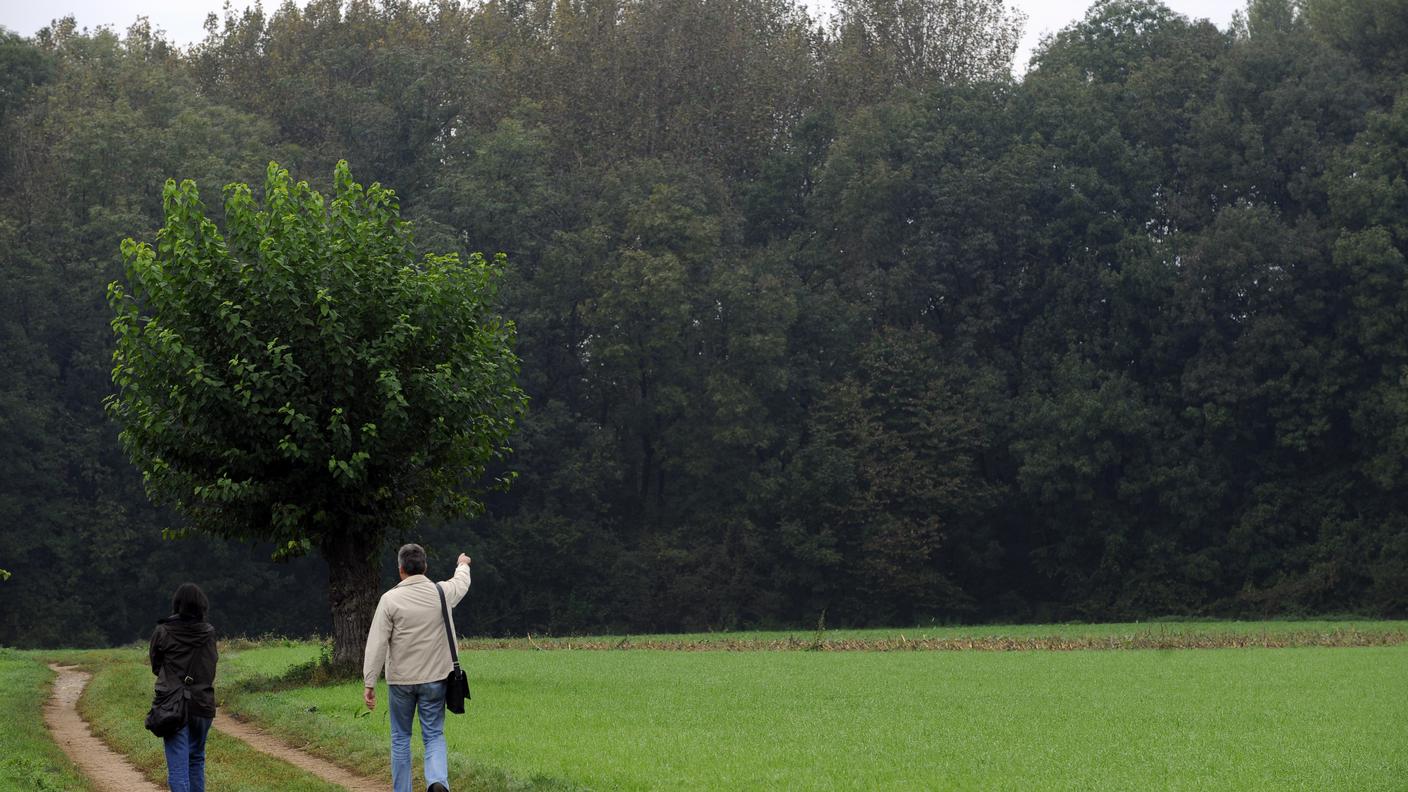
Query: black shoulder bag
[[170, 710], [456, 684]]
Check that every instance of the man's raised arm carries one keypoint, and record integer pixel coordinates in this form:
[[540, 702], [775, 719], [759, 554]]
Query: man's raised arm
[[458, 584]]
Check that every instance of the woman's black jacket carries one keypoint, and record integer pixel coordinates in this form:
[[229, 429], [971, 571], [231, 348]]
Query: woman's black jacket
[[180, 642]]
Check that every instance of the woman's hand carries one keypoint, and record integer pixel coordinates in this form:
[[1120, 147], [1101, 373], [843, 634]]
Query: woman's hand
[[464, 560], [369, 698]]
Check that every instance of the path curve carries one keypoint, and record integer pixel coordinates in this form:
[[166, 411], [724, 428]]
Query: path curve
[[111, 772], [279, 749], [107, 769]]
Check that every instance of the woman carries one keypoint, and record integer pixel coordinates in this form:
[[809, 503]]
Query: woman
[[183, 652]]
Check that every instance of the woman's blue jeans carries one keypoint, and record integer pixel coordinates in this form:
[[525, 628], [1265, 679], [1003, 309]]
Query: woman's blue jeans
[[185, 756], [428, 700]]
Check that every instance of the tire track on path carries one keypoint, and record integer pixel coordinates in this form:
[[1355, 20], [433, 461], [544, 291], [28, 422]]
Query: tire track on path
[[107, 769], [277, 748]]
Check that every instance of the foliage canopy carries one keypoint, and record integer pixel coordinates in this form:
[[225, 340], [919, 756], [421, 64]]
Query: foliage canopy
[[303, 378], [303, 368]]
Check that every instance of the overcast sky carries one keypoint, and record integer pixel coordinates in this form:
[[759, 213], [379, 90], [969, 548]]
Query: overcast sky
[[182, 19]]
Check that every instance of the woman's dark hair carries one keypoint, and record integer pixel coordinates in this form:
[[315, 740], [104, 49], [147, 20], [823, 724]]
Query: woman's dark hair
[[190, 601]]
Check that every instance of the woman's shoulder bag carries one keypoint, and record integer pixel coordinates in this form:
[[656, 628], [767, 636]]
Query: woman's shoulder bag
[[171, 709]]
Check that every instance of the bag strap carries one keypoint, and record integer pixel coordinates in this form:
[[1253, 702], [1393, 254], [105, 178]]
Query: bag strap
[[449, 634]]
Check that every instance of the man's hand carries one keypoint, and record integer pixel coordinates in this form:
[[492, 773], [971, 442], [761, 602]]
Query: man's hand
[[464, 560], [369, 698]]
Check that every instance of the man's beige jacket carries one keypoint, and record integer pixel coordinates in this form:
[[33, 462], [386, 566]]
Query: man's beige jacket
[[408, 634]]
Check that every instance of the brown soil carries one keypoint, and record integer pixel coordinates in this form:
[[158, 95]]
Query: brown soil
[[278, 749], [108, 770]]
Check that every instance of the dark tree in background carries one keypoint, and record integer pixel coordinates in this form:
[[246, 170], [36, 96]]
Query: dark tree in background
[[816, 317]]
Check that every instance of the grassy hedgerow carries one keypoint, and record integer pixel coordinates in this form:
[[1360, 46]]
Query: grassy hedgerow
[[30, 760]]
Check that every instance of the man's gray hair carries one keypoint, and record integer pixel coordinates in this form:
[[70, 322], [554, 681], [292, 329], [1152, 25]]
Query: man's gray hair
[[411, 559]]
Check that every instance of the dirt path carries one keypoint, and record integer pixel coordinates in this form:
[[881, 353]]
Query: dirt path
[[108, 770], [111, 772], [278, 749]]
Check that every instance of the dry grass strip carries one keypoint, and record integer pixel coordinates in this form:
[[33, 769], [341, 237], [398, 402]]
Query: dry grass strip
[[993, 643]]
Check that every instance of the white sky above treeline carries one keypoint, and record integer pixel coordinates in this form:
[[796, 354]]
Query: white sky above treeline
[[183, 19]]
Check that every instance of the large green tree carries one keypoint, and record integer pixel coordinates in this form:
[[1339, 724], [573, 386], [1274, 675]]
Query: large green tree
[[306, 378]]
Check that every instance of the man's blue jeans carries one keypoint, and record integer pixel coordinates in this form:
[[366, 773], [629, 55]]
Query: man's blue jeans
[[185, 756], [428, 699]]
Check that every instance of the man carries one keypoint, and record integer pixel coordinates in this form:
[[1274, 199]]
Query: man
[[408, 638]]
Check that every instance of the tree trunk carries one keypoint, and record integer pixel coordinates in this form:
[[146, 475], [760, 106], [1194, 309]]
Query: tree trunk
[[353, 588]]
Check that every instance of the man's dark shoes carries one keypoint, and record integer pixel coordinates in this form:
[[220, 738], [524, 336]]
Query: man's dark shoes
[[437, 787]]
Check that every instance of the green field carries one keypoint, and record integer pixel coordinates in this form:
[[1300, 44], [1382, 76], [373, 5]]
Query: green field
[[1275, 719], [1309, 718]]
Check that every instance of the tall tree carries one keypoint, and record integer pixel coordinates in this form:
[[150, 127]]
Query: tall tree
[[304, 378]]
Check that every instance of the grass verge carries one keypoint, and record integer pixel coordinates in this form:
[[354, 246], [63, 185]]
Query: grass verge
[[30, 759]]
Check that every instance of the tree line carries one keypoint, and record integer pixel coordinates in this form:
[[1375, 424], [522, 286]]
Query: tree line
[[818, 319]]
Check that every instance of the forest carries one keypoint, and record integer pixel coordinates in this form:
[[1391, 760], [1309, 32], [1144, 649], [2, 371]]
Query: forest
[[836, 322]]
